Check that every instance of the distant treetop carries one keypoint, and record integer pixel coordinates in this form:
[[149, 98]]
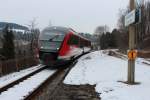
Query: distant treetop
[[12, 26]]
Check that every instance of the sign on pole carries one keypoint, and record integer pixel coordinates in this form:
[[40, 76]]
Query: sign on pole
[[132, 54], [134, 17], [138, 16], [130, 18]]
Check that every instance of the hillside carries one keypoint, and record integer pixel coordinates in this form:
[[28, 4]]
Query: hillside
[[13, 25]]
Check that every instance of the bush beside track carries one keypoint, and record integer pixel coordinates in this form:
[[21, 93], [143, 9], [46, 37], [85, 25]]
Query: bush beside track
[[14, 65]]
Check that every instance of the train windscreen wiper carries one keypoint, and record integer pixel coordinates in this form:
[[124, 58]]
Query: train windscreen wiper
[[51, 39]]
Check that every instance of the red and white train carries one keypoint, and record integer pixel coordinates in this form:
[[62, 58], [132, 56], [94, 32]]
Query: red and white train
[[59, 45]]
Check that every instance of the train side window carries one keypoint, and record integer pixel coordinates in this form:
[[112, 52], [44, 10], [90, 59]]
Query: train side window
[[70, 41], [82, 43], [74, 40]]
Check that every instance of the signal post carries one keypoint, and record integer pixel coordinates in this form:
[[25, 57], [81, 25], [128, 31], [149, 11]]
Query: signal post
[[131, 19], [131, 57]]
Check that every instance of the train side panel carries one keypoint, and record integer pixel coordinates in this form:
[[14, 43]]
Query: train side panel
[[73, 46], [64, 50]]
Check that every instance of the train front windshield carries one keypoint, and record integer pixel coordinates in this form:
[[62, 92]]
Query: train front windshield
[[51, 40]]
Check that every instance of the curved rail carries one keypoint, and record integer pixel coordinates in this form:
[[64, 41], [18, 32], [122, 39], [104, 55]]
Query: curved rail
[[59, 75]]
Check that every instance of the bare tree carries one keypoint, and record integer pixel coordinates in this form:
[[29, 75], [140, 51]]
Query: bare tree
[[33, 24], [121, 20], [142, 29], [33, 35], [101, 29], [121, 34]]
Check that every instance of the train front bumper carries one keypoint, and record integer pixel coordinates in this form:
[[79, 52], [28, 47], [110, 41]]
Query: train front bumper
[[54, 63]]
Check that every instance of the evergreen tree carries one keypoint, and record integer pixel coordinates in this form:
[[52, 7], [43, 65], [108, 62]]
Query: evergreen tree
[[103, 41], [8, 44], [108, 41]]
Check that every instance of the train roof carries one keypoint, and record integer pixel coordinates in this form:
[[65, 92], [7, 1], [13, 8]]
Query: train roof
[[59, 28], [84, 37], [64, 30]]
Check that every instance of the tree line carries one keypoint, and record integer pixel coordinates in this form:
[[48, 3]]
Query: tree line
[[142, 29], [17, 44], [8, 51], [119, 37]]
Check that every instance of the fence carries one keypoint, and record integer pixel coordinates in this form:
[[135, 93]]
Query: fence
[[14, 65]]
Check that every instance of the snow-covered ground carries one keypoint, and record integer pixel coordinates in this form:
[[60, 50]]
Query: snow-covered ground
[[18, 92], [105, 71], [17, 75]]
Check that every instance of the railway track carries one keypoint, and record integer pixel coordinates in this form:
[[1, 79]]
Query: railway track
[[34, 83], [48, 87], [17, 81], [50, 84]]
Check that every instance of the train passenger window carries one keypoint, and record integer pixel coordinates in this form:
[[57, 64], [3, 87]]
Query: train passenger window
[[74, 40], [81, 43]]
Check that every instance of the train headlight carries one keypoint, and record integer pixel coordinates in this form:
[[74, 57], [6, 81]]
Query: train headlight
[[41, 47]]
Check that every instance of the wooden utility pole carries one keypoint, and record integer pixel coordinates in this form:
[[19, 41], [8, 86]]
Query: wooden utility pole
[[131, 62]]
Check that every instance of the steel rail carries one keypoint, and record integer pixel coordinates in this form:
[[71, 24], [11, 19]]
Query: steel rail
[[43, 85], [6, 87]]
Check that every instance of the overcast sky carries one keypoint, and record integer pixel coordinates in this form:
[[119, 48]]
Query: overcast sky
[[81, 15]]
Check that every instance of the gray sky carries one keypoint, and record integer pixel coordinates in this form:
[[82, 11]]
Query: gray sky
[[81, 15]]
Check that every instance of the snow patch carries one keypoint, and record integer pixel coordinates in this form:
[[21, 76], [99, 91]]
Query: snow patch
[[105, 71], [16, 75]]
